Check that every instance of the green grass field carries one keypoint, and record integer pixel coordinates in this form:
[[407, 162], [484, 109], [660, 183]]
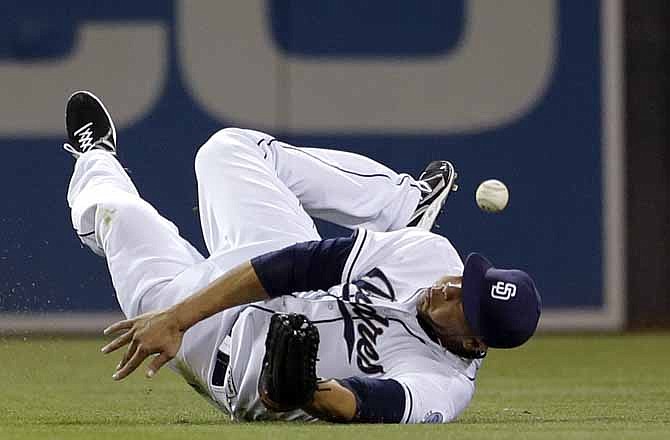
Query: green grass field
[[555, 387]]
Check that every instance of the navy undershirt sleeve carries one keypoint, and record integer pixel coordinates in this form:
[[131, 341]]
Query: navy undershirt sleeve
[[312, 265], [377, 400]]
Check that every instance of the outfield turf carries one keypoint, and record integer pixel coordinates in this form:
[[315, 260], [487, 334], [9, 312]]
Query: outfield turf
[[556, 387]]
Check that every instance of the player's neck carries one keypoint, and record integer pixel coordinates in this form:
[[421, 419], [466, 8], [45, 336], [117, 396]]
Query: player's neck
[[430, 332]]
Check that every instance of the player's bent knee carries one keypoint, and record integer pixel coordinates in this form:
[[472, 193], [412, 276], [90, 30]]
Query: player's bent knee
[[229, 137], [221, 144]]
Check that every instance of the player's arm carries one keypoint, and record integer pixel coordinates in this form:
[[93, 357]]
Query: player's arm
[[303, 266], [359, 400]]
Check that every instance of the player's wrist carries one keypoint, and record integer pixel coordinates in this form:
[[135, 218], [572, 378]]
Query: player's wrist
[[332, 402], [179, 315]]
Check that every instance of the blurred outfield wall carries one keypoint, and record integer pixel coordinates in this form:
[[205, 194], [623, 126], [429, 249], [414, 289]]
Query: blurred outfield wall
[[524, 91]]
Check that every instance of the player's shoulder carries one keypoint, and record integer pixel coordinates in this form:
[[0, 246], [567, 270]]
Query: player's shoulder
[[409, 239], [407, 234], [419, 233], [428, 255], [417, 237]]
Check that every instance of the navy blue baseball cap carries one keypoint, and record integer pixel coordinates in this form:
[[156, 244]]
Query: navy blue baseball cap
[[501, 306]]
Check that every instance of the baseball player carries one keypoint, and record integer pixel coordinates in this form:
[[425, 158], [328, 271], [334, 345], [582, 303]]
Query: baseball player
[[386, 325]]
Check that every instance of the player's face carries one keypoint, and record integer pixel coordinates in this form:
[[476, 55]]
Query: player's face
[[442, 306]]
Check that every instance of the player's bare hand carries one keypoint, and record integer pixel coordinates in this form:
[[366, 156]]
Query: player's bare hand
[[149, 334]]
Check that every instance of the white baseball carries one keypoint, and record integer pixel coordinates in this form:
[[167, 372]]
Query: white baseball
[[492, 195]]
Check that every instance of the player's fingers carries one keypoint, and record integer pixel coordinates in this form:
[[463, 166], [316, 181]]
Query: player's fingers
[[128, 354], [157, 363], [134, 362], [118, 342], [121, 325]]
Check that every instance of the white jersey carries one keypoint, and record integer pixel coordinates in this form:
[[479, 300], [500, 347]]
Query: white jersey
[[368, 327]]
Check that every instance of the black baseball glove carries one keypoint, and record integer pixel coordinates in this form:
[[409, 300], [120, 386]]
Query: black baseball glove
[[288, 375]]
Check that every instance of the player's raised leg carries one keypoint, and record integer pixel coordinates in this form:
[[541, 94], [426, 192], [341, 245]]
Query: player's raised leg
[[253, 188], [355, 191], [144, 251]]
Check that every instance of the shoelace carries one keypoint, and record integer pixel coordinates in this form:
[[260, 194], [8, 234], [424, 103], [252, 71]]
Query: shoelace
[[437, 176], [86, 141], [424, 187]]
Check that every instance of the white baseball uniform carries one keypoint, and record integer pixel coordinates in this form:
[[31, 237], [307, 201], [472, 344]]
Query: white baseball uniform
[[256, 195]]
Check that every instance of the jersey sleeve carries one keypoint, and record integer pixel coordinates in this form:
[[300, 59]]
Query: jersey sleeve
[[311, 265], [434, 398], [377, 400]]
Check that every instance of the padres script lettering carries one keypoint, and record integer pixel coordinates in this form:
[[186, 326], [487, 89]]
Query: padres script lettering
[[371, 324], [368, 331]]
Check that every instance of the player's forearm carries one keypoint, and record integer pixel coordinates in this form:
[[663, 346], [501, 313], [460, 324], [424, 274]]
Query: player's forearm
[[359, 399], [238, 286], [332, 402]]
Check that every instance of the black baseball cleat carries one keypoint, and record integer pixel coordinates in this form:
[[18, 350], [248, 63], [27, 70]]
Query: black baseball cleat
[[89, 126], [437, 181]]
